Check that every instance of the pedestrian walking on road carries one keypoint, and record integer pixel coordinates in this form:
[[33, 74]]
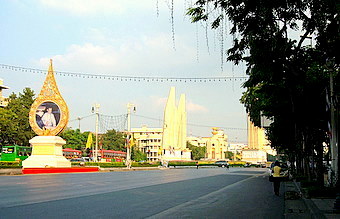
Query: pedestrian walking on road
[[276, 177], [197, 165]]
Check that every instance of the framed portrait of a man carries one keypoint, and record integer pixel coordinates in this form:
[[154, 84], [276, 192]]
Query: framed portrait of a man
[[47, 115]]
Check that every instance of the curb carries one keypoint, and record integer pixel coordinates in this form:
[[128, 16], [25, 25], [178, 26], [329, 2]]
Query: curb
[[314, 210], [10, 171], [18, 171]]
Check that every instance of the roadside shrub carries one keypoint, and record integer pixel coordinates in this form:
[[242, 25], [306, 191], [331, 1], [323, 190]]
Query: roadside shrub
[[145, 164], [109, 164], [10, 164], [181, 163]]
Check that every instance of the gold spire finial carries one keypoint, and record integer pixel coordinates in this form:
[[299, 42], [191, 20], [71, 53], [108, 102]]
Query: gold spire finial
[[50, 69], [49, 113]]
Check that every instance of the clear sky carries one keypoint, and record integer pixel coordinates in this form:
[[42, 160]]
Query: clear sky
[[127, 38]]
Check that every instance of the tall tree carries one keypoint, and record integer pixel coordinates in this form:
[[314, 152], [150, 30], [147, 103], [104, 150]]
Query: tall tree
[[14, 122], [137, 155], [113, 140], [74, 139], [197, 153], [288, 78]]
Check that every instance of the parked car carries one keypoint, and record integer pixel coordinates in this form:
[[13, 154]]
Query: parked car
[[77, 160], [81, 161], [247, 164], [221, 163]]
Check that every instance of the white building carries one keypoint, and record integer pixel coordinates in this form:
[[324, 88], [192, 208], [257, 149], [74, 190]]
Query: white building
[[3, 100], [258, 145], [149, 141], [197, 141]]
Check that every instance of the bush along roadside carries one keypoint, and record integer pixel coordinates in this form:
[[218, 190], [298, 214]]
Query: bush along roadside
[[117, 164], [10, 164], [311, 189], [99, 164]]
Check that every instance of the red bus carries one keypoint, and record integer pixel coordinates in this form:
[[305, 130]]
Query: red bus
[[70, 153], [111, 155]]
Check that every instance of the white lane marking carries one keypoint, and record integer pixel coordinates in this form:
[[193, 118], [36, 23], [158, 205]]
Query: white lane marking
[[209, 196]]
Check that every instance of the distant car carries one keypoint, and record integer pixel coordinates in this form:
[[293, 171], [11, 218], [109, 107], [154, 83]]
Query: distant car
[[81, 161], [247, 164], [221, 163], [87, 159], [261, 165], [77, 160]]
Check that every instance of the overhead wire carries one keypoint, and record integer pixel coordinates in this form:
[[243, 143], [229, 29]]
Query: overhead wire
[[127, 78]]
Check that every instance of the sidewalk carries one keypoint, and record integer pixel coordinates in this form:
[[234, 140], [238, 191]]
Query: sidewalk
[[10, 171], [297, 206]]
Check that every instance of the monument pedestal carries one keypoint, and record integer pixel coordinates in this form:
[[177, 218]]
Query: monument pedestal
[[46, 153]]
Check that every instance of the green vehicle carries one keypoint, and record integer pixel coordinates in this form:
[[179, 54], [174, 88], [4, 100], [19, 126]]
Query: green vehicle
[[15, 153]]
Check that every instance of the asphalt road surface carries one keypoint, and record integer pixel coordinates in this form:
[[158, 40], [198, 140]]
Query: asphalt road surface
[[172, 193]]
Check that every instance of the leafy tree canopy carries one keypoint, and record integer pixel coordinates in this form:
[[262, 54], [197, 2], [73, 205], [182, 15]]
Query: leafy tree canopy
[[113, 140], [197, 153], [287, 81], [137, 155], [14, 122], [289, 77], [74, 139]]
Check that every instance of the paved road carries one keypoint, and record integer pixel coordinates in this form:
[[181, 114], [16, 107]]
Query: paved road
[[174, 193]]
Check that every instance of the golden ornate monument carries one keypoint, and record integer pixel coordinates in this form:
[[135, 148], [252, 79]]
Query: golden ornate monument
[[48, 117], [49, 113]]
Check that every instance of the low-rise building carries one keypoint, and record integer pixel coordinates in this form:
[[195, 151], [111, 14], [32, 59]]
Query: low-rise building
[[197, 141], [149, 141], [236, 147], [3, 100], [254, 156], [217, 145], [258, 145]]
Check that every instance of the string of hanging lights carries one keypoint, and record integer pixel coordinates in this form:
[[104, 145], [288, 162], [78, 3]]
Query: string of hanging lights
[[126, 78], [192, 124]]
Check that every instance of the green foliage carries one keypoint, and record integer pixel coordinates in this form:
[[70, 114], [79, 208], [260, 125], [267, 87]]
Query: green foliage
[[197, 153], [113, 140], [137, 155], [181, 163], [74, 139], [14, 122], [118, 164], [288, 78], [271, 157], [109, 164], [10, 164], [229, 155], [145, 164]]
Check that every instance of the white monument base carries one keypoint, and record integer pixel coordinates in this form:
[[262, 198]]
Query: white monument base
[[177, 154], [46, 152], [254, 156]]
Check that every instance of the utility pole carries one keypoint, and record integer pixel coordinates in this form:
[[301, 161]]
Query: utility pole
[[128, 149], [79, 122], [95, 109]]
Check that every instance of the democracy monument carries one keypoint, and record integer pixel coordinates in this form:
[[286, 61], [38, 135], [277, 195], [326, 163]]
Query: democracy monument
[[175, 129]]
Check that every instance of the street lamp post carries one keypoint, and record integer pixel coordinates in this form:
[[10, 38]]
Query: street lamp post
[[128, 149], [95, 109]]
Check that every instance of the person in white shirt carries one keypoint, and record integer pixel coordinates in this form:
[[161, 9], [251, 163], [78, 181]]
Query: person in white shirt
[[49, 119]]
